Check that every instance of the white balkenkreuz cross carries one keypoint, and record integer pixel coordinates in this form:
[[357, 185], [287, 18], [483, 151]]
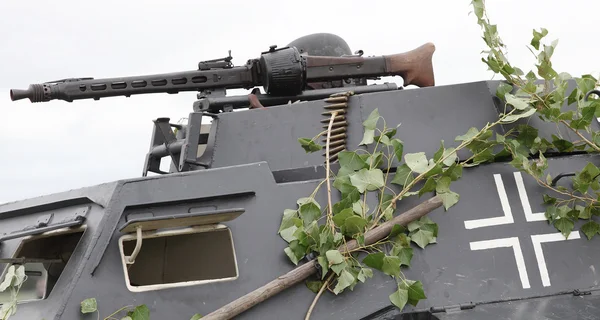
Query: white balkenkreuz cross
[[513, 242]]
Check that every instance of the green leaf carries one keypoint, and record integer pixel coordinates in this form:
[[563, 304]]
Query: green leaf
[[89, 305], [364, 274], [585, 213], [443, 185], [391, 266], [503, 89], [478, 8], [334, 257], [454, 172], [391, 133], [417, 162], [403, 176], [467, 136], [518, 103], [590, 229], [309, 212], [422, 238], [365, 179], [305, 200], [371, 122], [374, 160], [140, 313], [415, 292], [449, 157], [368, 137], [564, 225], [309, 146], [573, 97], [374, 260], [345, 280], [354, 225], [398, 148], [405, 255], [344, 185], [324, 265], [196, 316], [347, 201], [351, 160], [401, 241], [337, 268], [527, 135], [396, 230], [288, 234], [586, 83], [295, 251], [399, 298], [537, 36], [340, 218], [514, 117], [428, 187], [449, 199], [561, 144], [314, 286], [384, 139], [290, 218]]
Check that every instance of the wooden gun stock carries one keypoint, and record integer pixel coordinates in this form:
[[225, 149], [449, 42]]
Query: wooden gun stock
[[415, 66]]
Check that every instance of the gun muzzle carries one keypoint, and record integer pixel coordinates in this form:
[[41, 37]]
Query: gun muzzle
[[35, 93]]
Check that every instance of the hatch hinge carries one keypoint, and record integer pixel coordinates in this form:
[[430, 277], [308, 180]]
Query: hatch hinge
[[578, 292], [453, 308], [43, 224]]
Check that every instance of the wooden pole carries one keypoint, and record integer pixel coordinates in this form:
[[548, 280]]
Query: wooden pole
[[304, 271]]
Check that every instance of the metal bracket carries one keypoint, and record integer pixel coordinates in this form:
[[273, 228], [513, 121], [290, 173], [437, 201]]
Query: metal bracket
[[183, 152], [188, 158]]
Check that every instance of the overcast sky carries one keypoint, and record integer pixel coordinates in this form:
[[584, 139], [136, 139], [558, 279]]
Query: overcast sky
[[57, 146]]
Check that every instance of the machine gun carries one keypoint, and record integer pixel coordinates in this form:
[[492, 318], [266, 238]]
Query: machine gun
[[281, 72], [284, 74]]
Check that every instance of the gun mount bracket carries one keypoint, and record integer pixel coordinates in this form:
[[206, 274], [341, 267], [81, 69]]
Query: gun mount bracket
[[183, 152]]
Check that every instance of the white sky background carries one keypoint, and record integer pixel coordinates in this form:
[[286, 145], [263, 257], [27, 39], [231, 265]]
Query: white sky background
[[57, 146]]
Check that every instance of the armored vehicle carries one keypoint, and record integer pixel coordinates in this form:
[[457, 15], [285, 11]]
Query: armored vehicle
[[204, 237]]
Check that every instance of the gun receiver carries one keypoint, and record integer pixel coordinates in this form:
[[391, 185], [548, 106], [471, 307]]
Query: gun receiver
[[281, 72]]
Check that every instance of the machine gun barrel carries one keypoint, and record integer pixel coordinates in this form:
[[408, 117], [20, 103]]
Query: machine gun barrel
[[89, 88]]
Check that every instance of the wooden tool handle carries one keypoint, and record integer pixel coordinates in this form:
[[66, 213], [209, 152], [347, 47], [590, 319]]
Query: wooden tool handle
[[304, 271]]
